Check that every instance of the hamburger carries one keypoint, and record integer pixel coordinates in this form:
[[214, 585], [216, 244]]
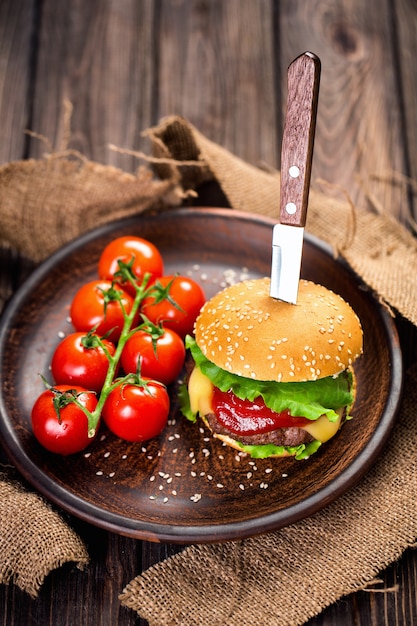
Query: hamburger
[[270, 378]]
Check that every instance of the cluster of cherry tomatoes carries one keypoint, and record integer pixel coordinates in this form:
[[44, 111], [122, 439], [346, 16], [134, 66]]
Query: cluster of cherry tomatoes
[[126, 348]]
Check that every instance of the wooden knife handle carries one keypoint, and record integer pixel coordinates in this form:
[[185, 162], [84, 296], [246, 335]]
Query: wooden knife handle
[[298, 138]]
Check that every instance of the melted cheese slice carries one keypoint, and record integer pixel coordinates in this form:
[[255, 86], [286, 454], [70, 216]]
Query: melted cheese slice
[[200, 390]]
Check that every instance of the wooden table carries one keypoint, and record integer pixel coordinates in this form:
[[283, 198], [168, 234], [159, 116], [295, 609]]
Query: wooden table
[[124, 64]]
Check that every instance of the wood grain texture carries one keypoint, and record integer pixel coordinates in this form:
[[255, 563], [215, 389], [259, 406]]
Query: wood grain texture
[[405, 22], [97, 56], [298, 138], [359, 131], [17, 21], [216, 68]]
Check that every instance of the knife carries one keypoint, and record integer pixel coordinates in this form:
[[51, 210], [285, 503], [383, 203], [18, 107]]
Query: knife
[[296, 159]]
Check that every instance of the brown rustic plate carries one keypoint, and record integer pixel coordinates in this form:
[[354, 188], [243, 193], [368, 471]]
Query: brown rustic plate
[[185, 487]]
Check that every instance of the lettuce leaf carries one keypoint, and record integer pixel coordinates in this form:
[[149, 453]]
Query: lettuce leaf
[[309, 399], [184, 403], [264, 451]]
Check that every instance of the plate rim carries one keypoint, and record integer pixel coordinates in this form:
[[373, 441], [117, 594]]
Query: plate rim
[[170, 533]]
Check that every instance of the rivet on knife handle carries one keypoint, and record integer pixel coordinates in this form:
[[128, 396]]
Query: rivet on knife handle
[[296, 159]]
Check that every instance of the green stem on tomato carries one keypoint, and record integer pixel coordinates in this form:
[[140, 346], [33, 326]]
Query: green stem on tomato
[[142, 292]]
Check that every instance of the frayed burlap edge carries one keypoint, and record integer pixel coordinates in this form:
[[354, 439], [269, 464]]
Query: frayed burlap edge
[[47, 203], [34, 539]]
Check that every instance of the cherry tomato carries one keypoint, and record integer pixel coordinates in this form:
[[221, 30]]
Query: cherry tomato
[[95, 306], [66, 431], [80, 360], [137, 412], [161, 355], [188, 297], [146, 258]]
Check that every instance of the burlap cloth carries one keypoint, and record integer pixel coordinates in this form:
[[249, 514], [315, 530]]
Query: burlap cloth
[[34, 539], [288, 576]]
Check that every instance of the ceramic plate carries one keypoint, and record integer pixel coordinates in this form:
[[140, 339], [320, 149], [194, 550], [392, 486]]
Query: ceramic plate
[[185, 487]]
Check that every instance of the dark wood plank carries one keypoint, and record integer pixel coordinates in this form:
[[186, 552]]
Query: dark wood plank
[[405, 20], [359, 130], [99, 57], [216, 68], [17, 18]]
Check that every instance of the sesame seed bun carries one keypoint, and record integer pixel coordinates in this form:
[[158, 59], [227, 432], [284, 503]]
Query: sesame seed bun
[[246, 332]]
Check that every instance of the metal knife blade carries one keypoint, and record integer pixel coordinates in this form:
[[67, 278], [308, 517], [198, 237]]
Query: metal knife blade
[[296, 160]]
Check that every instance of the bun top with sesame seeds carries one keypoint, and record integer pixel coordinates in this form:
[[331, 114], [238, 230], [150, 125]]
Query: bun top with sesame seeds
[[246, 332]]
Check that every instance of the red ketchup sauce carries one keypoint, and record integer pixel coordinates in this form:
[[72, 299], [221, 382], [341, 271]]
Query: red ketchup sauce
[[243, 417]]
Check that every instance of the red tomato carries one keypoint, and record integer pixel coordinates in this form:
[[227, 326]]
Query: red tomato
[[137, 412], [67, 433], [161, 355], [188, 297], [80, 360], [146, 258], [95, 306]]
